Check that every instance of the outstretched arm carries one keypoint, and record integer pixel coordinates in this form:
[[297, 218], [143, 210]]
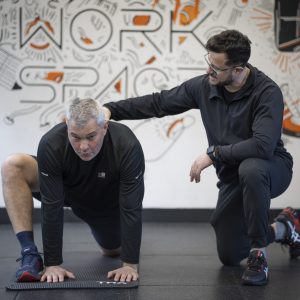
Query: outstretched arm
[[52, 198], [131, 193], [169, 102]]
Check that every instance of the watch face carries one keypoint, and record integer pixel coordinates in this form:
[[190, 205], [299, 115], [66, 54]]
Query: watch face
[[210, 150]]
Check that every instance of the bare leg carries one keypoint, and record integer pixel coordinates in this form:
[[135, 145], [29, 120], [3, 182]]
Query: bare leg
[[19, 179]]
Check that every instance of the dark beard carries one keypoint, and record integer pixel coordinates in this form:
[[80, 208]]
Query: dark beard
[[225, 82]]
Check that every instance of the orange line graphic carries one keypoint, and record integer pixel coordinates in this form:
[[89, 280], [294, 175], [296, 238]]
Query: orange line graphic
[[172, 125], [55, 76], [40, 47]]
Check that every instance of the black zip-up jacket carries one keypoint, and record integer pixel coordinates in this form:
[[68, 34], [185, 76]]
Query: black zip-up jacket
[[113, 180], [247, 125]]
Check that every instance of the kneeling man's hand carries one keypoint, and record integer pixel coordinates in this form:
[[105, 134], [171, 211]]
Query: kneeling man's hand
[[56, 274], [126, 273]]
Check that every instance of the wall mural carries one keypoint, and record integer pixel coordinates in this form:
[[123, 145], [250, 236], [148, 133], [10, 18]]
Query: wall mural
[[51, 51]]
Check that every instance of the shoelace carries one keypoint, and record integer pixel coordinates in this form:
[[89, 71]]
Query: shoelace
[[28, 258], [254, 263]]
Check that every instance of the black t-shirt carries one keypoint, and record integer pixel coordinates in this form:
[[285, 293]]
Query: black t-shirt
[[113, 180]]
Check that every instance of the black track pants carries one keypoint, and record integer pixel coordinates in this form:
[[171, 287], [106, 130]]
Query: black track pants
[[241, 218]]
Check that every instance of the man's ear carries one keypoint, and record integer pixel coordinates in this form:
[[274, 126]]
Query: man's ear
[[239, 69], [106, 125]]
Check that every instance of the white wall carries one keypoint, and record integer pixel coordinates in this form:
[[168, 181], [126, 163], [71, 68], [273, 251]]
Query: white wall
[[91, 48]]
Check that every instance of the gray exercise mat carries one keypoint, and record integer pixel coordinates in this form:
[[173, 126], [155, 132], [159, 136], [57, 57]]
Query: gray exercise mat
[[90, 270]]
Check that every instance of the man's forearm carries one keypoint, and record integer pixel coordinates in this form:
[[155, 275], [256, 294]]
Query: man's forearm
[[52, 232]]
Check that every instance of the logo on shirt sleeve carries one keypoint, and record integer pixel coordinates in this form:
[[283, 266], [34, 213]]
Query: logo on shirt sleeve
[[137, 177]]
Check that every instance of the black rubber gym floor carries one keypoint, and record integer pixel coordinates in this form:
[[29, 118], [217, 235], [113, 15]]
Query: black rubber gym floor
[[178, 261]]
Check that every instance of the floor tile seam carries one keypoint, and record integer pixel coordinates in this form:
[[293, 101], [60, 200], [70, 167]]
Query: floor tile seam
[[187, 285], [143, 255], [187, 255], [11, 292]]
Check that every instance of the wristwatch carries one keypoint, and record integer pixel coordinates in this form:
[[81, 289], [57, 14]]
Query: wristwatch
[[212, 152]]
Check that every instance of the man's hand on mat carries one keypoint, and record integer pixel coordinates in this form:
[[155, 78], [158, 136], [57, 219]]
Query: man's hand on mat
[[203, 161], [56, 274], [127, 273]]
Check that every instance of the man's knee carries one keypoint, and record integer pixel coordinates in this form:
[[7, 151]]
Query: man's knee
[[232, 247], [229, 258], [11, 166], [20, 167], [111, 252]]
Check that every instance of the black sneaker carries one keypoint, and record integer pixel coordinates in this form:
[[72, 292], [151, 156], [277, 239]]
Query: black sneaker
[[31, 265], [257, 269], [290, 218]]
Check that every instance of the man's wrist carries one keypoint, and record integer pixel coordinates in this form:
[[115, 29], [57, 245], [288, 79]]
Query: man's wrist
[[134, 266]]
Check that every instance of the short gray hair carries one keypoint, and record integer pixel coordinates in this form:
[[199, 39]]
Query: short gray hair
[[81, 111]]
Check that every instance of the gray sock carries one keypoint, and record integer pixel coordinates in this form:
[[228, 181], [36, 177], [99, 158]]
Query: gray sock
[[280, 231]]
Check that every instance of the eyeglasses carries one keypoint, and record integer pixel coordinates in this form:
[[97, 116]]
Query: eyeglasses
[[216, 70]]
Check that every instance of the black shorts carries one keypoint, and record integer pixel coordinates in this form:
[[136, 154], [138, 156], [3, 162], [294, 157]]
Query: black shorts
[[105, 227], [36, 195]]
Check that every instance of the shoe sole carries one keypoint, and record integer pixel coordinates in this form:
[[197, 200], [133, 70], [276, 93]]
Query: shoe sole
[[28, 277], [245, 282]]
